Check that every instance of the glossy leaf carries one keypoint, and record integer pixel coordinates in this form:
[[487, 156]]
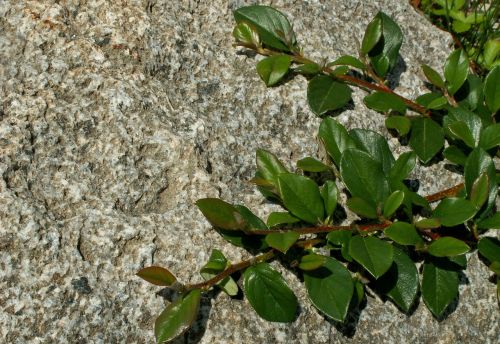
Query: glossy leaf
[[349, 61], [489, 248], [454, 211], [282, 241], [325, 94], [309, 164], [384, 54], [403, 166], [362, 208], [330, 288], [399, 123], [427, 98], [157, 275], [492, 89], [177, 317], [268, 293], [426, 138], [469, 118], [437, 104], [273, 27], [432, 76], [374, 144], [269, 166], [385, 102], [341, 238], [341, 70], [439, 287], [456, 69], [252, 221], [372, 36], [461, 131], [474, 95], [492, 222], [216, 264], [245, 33], [490, 136], [393, 202], [221, 214], [273, 68], [478, 162], [281, 218], [455, 155], [301, 197], [448, 247], [428, 223], [308, 69], [403, 233], [311, 262], [480, 190], [329, 193], [335, 138], [373, 254]]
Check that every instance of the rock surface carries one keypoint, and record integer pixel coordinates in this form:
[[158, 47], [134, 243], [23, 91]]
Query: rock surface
[[116, 116]]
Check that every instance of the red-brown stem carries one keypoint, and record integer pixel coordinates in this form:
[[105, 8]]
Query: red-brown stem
[[323, 229], [450, 192]]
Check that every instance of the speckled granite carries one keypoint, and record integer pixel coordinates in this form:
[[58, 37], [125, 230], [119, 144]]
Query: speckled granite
[[115, 116]]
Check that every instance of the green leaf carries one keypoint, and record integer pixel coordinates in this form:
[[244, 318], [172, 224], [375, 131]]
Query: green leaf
[[325, 94], [426, 139], [437, 104], [492, 89], [428, 98], [384, 54], [330, 289], [245, 33], [474, 95], [269, 166], [362, 208], [393, 202], [273, 27], [461, 131], [308, 69], [282, 241], [269, 294], [349, 61], [329, 193], [455, 155], [301, 197], [400, 282], [342, 70], [471, 120], [439, 287], [374, 144], [448, 247], [341, 238], [335, 138], [359, 291], [489, 248], [217, 262], [364, 177], [428, 223], [403, 166], [309, 164], [480, 190], [372, 36], [432, 76], [403, 233], [385, 102], [490, 136], [177, 317], [281, 218], [273, 68], [311, 262], [157, 276], [240, 239], [492, 222], [221, 214], [456, 69], [252, 221], [373, 254], [399, 123], [478, 162], [454, 211]]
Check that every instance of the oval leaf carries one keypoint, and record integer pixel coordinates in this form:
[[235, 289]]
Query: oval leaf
[[393, 202], [403, 166], [245, 33], [399, 123], [489, 249], [385, 102], [439, 287], [373, 254], [311, 262], [374, 144], [329, 194], [157, 276], [479, 162], [403, 233], [349, 61], [455, 155], [432, 76], [384, 55], [269, 166], [490, 136], [456, 69], [221, 214], [309, 164], [426, 138], [325, 94], [480, 190], [492, 89], [448, 247], [492, 222], [272, 69], [282, 241], [454, 211], [372, 36], [362, 208], [335, 138], [281, 218]]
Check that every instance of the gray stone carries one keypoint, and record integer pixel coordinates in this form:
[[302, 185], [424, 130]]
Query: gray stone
[[116, 116]]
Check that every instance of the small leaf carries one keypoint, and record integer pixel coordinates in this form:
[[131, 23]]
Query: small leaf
[[311, 262], [217, 261], [309, 164], [372, 36], [437, 104], [479, 162], [492, 89], [362, 208], [373, 254], [269, 294], [245, 33], [489, 248], [330, 288], [448, 247], [428, 223], [272, 69], [490, 136], [221, 214], [469, 118], [157, 276], [474, 96], [341, 238], [455, 155], [403, 233], [454, 211], [282, 241], [399, 123], [492, 222], [308, 69], [216, 264], [335, 138], [342, 70], [349, 61], [456, 69], [439, 286], [393, 202], [426, 139], [461, 131], [325, 94], [432, 76], [269, 166], [384, 54], [427, 98], [385, 102], [281, 218], [374, 144], [480, 190], [403, 166], [252, 221], [329, 193], [177, 317]]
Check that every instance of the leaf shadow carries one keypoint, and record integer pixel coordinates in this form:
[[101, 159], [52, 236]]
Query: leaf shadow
[[394, 76]]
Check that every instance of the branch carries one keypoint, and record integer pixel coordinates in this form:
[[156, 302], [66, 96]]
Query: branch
[[450, 192]]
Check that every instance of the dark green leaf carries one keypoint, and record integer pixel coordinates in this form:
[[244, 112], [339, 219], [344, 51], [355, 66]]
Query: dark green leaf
[[403, 166], [492, 89], [432, 76], [392, 203], [448, 247], [221, 214], [461, 131], [281, 218], [362, 208], [399, 123], [342, 70], [437, 104], [456, 69], [273, 68], [245, 33], [359, 292], [471, 120], [400, 283], [426, 139], [478, 162], [273, 27], [325, 94], [474, 96], [403, 233], [308, 69], [252, 221], [216, 262], [301, 197], [335, 138], [439, 287], [309, 164], [269, 294], [341, 238], [282, 241], [492, 222], [372, 36], [384, 54], [269, 166], [455, 155], [311, 262], [480, 191], [428, 223], [349, 61], [490, 136], [157, 276], [240, 239], [373, 254], [364, 177], [489, 249], [329, 194], [454, 211], [177, 317], [385, 102], [427, 98], [374, 144], [330, 288]]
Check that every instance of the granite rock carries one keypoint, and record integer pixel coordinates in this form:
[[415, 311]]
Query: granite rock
[[116, 116]]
